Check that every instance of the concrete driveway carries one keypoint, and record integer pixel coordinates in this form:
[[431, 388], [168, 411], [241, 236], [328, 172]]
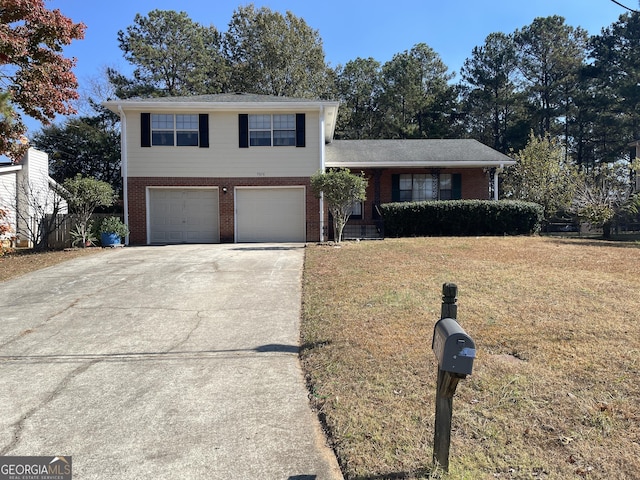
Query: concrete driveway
[[162, 362]]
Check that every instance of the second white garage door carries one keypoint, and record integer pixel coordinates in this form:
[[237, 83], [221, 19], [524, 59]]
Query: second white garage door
[[183, 215], [270, 214]]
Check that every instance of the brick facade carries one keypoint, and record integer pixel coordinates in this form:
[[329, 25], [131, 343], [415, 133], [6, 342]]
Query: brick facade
[[475, 185], [138, 201]]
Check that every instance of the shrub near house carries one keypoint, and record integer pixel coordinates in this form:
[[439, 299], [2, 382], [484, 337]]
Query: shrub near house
[[461, 217]]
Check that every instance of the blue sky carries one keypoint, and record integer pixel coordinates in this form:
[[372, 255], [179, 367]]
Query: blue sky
[[348, 28]]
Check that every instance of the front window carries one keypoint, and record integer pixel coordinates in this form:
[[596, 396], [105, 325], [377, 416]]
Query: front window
[[446, 186], [174, 130], [356, 210], [268, 130], [416, 188]]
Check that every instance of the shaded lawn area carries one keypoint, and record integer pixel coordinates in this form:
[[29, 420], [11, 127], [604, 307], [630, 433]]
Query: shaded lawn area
[[554, 391]]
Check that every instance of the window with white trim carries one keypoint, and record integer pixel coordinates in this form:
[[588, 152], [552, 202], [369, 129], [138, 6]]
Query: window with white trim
[[416, 187], [276, 130], [446, 186], [356, 210], [174, 130]]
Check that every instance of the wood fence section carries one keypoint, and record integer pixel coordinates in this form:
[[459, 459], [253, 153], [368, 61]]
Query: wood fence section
[[61, 236]]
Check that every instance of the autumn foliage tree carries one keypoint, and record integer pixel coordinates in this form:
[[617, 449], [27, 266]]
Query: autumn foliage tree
[[35, 78]]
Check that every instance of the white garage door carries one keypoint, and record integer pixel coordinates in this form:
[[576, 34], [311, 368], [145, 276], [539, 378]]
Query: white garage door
[[270, 214], [184, 215]]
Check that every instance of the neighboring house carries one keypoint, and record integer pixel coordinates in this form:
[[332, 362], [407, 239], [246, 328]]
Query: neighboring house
[[27, 193], [237, 168]]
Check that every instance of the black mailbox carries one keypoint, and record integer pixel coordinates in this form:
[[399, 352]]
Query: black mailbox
[[453, 348]]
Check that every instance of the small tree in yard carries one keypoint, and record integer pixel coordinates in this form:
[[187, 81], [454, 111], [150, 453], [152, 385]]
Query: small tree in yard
[[605, 196], [340, 189], [84, 195], [542, 176]]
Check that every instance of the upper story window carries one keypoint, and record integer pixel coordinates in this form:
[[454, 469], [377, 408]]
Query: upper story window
[[174, 130], [268, 130]]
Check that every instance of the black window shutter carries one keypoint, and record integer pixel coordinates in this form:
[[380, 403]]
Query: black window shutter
[[300, 130], [243, 128], [456, 186], [145, 129], [395, 187], [203, 126]]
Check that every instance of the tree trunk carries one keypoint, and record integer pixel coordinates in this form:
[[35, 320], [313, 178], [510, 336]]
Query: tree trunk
[[338, 227]]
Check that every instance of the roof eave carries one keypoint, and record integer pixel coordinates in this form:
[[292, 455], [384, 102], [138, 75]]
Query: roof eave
[[423, 164], [330, 108], [220, 106], [10, 167]]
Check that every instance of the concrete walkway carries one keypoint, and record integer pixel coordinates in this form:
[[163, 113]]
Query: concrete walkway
[[162, 362]]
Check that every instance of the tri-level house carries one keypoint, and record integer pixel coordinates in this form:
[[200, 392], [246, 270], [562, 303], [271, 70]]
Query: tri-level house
[[237, 168]]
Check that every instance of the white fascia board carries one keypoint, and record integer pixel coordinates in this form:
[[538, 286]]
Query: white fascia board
[[219, 106], [10, 168], [418, 164]]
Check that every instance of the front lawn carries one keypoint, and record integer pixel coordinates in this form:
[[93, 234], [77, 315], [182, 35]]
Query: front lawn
[[554, 391]]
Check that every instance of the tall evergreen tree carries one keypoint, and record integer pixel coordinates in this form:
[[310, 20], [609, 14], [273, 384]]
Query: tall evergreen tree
[[359, 86], [418, 100], [616, 70], [551, 55], [275, 54], [493, 108], [172, 55]]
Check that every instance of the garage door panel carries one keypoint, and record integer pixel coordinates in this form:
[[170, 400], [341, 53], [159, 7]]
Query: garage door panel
[[270, 214], [183, 216]]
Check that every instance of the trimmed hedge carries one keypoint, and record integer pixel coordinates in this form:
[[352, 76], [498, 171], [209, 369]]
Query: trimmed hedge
[[461, 218]]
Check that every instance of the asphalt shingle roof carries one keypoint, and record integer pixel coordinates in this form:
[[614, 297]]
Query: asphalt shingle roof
[[430, 152]]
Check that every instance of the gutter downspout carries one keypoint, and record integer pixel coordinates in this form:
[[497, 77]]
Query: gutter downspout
[[123, 167], [322, 162], [495, 181]]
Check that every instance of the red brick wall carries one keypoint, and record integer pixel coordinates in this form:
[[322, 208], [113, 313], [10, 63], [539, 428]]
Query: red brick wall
[[475, 186], [138, 202], [475, 183]]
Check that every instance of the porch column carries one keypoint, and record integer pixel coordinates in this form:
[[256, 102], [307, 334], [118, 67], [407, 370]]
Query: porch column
[[377, 195]]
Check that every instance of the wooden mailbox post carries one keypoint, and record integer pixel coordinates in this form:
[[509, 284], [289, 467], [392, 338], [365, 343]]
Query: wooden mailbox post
[[455, 352]]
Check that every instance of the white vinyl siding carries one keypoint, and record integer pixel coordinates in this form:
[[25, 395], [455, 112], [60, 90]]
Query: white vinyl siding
[[223, 158]]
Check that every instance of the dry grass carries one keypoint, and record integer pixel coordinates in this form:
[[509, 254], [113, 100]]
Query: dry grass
[[24, 261], [554, 391]]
